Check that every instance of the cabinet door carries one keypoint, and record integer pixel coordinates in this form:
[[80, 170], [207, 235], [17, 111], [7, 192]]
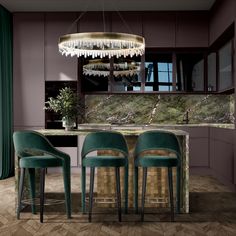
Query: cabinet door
[[198, 146], [225, 66], [159, 29], [198, 154], [28, 68], [222, 153], [192, 29], [57, 66]]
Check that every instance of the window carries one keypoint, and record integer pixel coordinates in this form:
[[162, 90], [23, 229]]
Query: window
[[158, 72], [164, 76]]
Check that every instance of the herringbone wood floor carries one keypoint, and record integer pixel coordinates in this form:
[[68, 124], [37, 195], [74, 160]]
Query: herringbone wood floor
[[212, 212]]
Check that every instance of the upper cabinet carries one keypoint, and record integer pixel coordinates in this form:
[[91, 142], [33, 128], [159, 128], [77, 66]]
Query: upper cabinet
[[190, 71], [191, 29], [159, 29], [211, 72], [170, 29], [59, 67], [225, 66]]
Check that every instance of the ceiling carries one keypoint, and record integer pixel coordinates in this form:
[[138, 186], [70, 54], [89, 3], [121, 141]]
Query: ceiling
[[109, 5]]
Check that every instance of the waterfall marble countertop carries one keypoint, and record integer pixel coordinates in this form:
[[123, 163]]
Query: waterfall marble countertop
[[124, 131], [131, 129]]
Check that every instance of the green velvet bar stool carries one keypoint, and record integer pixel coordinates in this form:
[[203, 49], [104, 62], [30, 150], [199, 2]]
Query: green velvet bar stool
[[157, 140], [104, 140], [35, 151]]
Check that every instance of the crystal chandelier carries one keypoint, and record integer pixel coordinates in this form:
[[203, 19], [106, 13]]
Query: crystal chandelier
[[101, 44], [99, 68]]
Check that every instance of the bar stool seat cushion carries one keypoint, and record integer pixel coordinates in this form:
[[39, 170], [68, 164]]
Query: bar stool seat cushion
[[157, 161], [40, 162], [111, 161]]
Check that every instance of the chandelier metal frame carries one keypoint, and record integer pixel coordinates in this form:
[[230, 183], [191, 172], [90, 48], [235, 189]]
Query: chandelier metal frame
[[101, 44]]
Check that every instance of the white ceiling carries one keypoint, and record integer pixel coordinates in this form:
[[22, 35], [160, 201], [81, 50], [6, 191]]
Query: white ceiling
[[109, 5]]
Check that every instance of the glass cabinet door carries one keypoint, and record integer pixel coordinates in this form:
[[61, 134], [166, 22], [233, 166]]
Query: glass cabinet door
[[225, 67], [211, 73], [190, 72]]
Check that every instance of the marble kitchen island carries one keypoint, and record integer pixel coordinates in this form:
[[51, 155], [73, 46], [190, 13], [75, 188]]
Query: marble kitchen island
[[157, 184]]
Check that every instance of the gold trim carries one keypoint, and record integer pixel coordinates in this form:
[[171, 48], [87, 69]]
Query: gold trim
[[102, 35]]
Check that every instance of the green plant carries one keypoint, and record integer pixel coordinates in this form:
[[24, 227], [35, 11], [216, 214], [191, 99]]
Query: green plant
[[65, 104]]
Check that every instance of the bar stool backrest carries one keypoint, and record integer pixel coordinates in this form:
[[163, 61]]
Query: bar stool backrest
[[104, 140], [27, 142], [157, 140]]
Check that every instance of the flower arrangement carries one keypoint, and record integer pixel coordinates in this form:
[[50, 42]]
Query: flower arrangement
[[65, 104]]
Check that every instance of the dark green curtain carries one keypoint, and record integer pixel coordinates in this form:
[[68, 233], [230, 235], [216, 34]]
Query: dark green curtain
[[6, 88]]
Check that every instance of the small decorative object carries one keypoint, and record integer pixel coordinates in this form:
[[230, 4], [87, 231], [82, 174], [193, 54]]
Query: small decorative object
[[66, 104]]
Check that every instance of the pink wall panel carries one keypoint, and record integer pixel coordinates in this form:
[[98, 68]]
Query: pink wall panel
[[159, 29], [127, 22], [93, 22], [28, 69], [58, 67], [223, 14], [192, 29]]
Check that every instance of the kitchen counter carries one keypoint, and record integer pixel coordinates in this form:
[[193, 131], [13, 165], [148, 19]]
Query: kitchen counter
[[130, 129]]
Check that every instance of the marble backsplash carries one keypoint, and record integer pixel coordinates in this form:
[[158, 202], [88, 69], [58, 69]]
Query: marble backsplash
[[159, 109]]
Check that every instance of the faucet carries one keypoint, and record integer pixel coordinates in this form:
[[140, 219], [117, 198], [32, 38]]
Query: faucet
[[186, 117]]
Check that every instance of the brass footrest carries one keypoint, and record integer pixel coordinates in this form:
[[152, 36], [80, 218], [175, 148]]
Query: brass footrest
[[156, 200], [103, 200]]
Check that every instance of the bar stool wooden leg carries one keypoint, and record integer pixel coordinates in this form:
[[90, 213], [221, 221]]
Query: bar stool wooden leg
[[118, 192], [42, 186], [178, 187], [67, 188], [136, 189], [20, 192], [32, 188], [83, 189], [92, 169], [170, 180], [126, 187], [143, 191]]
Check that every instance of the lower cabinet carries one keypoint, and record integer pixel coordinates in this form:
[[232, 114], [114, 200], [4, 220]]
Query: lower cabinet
[[198, 146], [222, 154]]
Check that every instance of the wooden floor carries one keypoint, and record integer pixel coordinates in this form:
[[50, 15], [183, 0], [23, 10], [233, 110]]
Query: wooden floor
[[212, 212]]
